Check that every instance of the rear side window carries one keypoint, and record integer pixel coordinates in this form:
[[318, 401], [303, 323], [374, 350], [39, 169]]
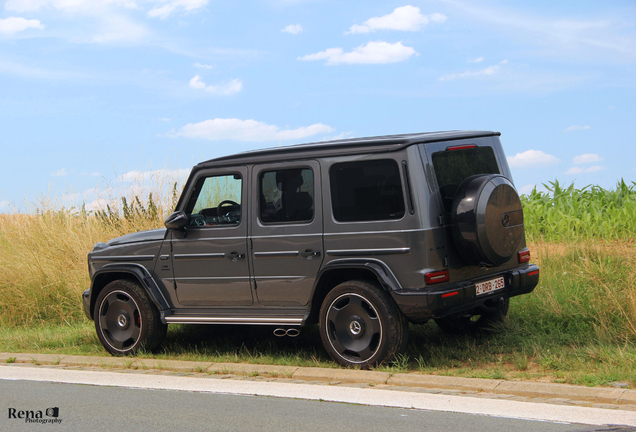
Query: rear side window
[[366, 191], [452, 167], [287, 195]]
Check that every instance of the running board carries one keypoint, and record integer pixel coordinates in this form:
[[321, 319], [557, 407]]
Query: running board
[[231, 320]]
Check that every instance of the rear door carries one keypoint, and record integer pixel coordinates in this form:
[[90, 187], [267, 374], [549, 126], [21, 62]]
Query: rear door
[[452, 162], [286, 232]]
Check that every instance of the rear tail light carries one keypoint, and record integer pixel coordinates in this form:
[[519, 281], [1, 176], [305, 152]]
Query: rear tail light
[[437, 277], [524, 256]]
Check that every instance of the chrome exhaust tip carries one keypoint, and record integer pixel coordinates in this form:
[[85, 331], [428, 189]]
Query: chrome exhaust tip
[[293, 332], [281, 332]]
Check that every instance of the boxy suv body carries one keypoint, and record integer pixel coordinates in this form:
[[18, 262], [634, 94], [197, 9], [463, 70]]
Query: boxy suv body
[[361, 236]]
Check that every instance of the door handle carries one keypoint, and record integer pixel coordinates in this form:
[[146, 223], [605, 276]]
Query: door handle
[[234, 256], [309, 254]]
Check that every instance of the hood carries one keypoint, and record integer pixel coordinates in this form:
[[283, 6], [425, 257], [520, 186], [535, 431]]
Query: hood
[[142, 236]]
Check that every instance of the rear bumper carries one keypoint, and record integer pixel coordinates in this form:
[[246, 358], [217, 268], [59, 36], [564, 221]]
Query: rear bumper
[[420, 305]]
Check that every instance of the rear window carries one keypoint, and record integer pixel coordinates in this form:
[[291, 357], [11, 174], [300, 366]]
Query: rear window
[[452, 167], [366, 191]]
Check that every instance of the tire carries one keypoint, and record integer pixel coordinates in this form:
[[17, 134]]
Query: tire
[[126, 320], [487, 220], [475, 320], [360, 325]]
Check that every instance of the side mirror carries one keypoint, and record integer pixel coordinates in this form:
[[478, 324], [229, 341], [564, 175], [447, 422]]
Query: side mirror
[[177, 221]]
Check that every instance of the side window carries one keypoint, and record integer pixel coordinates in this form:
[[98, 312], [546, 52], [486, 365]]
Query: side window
[[216, 200], [286, 195], [366, 191]]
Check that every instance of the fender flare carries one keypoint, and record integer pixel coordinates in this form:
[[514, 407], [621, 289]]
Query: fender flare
[[143, 277], [384, 274]]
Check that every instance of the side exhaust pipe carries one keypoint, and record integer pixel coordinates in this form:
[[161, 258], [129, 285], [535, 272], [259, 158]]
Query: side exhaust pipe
[[281, 332]]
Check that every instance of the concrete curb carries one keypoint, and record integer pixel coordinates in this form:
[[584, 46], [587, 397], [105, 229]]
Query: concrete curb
[[519, 388]]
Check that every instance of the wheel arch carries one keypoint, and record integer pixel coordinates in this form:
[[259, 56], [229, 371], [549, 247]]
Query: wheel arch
[[338, 271], [132, 272]]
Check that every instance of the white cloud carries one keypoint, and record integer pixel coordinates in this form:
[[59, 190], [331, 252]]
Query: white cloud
[[173, 6], [595, 37], [587, 158], [371, 53], [576, 128], [144, 176], [4, 205], [340, 136], [231, 87], [203, 66], [492, 70], [16, 24], [477, 60], [579, 170], [100, 21], [531, 158], [405, 18], [117, 28], [65, 5], [293, 29], [101, 204], [525, 190], [246, 130], [60, 173]]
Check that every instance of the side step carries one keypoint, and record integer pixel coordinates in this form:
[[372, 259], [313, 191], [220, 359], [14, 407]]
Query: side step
[[266, 317]]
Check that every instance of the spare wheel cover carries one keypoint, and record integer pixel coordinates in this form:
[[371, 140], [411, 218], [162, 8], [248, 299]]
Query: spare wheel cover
[[487, 220]]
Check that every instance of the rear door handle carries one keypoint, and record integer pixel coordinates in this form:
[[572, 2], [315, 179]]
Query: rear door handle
[[309, 254], [234, 256]]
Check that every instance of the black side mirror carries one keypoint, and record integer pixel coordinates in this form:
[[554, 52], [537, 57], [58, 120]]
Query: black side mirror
[[177, 221]]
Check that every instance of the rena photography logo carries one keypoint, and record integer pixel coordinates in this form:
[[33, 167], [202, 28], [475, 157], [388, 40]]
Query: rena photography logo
[[49, 415]]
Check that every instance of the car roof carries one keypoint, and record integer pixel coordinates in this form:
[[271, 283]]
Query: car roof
[[342, 147]]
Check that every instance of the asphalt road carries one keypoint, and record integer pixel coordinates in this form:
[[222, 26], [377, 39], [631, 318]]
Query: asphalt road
[[97, 408]]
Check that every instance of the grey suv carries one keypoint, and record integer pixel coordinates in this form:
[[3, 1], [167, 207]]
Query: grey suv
[[361, 236]]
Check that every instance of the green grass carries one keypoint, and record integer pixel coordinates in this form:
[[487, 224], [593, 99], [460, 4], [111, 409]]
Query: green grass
[[578, 326]]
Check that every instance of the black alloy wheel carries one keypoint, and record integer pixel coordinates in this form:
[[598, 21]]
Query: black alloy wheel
[[360, 325], [126, 320]]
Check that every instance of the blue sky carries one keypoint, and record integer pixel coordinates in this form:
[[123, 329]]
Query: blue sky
[[102, 97]]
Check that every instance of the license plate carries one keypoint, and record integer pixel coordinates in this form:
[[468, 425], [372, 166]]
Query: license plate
[[492, 285]]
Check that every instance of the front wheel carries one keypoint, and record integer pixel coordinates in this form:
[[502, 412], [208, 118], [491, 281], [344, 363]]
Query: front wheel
[[360, 325], [471, 321], [126, 320]]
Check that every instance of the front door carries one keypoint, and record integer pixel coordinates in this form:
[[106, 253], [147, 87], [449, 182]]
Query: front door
[[286, 232], [210, 258]]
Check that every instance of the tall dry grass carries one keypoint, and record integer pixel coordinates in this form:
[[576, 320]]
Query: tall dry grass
[[588, 278]]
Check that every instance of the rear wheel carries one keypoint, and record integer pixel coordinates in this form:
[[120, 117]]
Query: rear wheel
[[126, 320], [360, 325], [473, 320]]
